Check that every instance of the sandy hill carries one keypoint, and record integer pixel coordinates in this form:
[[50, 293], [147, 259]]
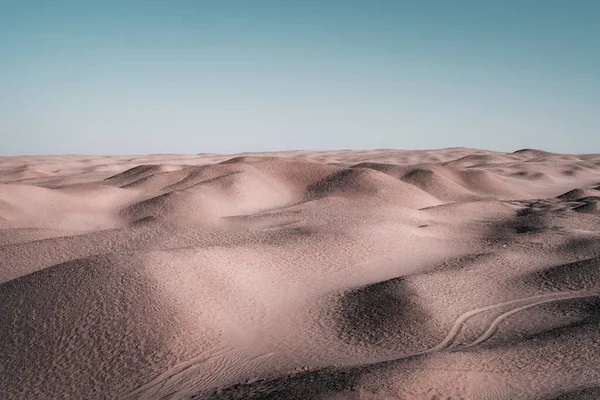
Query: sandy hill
[[386, 274]]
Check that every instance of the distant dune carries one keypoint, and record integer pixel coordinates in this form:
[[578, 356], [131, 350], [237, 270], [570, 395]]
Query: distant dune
[[455, 273]]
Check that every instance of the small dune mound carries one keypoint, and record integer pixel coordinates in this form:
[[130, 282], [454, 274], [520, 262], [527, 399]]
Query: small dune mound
[[8, 211], [209, 200], [571, 171], [146, 208], [141, 171], [533, 153], [387, 314], [591, 206], [5, 206], [529, 175], [249, 159], [96, 193], [184, 208], [368, 184], [537, 218], [158, 181], [77, 207], [24, 172], [395, 171], [580, 275], [204, 173], [478, 160], [37, 205], [452, 184], [245, 192], [438, 185], [296, 175], [66, 340], [577, 194], [486, 184], [359, 181], [21, 196], [239, 186], [79, 327], [489, 210]]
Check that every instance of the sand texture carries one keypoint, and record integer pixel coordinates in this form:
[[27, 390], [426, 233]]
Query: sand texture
[[455, 273]]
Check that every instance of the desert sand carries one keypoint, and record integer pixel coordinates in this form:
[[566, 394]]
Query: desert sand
[[455, 273]]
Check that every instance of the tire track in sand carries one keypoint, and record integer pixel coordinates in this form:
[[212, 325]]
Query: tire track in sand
[[178, 370], [498, 320], [446, 343]]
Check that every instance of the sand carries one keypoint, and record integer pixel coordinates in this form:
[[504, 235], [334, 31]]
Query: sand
[[455, 273]]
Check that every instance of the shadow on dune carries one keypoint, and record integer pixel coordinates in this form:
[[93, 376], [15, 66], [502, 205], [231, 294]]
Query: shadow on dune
[[552, 217], [383, 316], [386, 314], [76, 329], [307, 385], [553, 323], [367, 183], [578, 275], [330, 383], [592, 393], [583, 246]]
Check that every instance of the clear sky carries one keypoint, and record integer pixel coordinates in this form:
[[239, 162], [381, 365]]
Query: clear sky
[[191, 76]]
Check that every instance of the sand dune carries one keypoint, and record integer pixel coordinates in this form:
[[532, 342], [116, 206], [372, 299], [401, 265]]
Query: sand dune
[[387, 274], [579, 194], [367, 184]]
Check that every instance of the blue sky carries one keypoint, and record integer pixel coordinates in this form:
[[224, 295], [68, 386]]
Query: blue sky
[[132, 77]]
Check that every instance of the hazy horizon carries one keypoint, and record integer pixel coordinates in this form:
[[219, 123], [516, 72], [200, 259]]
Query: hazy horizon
[[233, 76]]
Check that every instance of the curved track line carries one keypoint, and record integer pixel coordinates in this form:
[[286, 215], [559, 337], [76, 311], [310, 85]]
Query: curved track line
[[498, 320], [444, 344], [178, 369], [167, 379], [465, 316], [461, 319]]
